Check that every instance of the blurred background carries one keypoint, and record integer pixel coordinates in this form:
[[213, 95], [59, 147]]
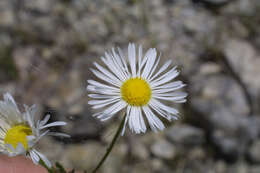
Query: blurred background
[[48, 46]]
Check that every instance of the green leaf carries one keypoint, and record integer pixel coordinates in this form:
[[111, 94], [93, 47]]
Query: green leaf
[[60, 168]]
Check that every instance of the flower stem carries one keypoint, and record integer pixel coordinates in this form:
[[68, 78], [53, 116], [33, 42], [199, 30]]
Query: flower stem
[[109, 149], [50, 170]]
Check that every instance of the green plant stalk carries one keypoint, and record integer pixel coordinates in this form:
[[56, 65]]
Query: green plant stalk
[[109, 149], [60, 168], [50, 170]]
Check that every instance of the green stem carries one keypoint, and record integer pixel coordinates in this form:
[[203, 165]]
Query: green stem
[[109, 149], [50, 170]]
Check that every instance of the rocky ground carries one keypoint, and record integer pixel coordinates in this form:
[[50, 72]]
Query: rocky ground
[[47, 47]]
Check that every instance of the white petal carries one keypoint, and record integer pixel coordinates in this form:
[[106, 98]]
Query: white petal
[[140, 56], [126, 119], [166, 108], [97, 106], [35, 158], [29, 119], [176, 85], [151, 56], [44, 159], [58, 134], [106, 72], [169, 116], [114, 66], [102, 116], [19, 148], [171, 74], [173, 99], [136, 121], [41, 135], [145, 58], [109, 112], [162, 69], [133, 124], [119, 61], [56, 123], [117, 107], [141, 119], [154, 68], [102, 90], [124, 61], [10, 100], [10, 114], [31, 140], [10, 147], [113, 110], [154, 122], [99, 96], [180, 101], [29, 114], [105, 78], [132, 58], [100, 85], [177, 94], [111, 99], [130, 123], [4, 125], [45, 120], [166, 92]]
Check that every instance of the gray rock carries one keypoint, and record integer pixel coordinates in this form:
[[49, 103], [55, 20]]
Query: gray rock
[[115, 162], [7, 17], [209, 68], [252, 127], [197, 21], [228, 146], [223, 110], [43, 6], [82, 127], [233, 141], [220, 167], [254, 152], [218, 94], [77, 156], [245, 61], [217, 2], [254, 169], [52, 149], [139, 150], [242, 7], [163, 149], [54, 42], [157, 165], [239, 167], [185, 134]]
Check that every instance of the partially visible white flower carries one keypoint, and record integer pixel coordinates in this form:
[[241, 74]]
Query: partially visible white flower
[[135, 85], [19, 132]]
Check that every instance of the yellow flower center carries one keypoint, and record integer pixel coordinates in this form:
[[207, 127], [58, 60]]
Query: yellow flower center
[[17, 134], [136, 91]]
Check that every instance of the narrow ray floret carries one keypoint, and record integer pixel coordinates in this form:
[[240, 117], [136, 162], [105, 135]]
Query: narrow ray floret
[[134, 84], [19, 132]]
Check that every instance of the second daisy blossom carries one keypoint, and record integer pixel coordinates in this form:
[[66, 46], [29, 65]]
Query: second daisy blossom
[[135, 84], [19, 133]]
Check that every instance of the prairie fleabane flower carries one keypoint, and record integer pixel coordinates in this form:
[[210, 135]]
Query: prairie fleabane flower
[[136, 85], [19, 133]]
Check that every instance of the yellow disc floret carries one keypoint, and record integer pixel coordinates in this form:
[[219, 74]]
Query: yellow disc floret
[[17, 134], [136, 92]]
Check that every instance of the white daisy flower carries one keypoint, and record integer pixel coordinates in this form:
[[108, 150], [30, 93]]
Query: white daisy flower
[[135, 84], [19, 133]]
